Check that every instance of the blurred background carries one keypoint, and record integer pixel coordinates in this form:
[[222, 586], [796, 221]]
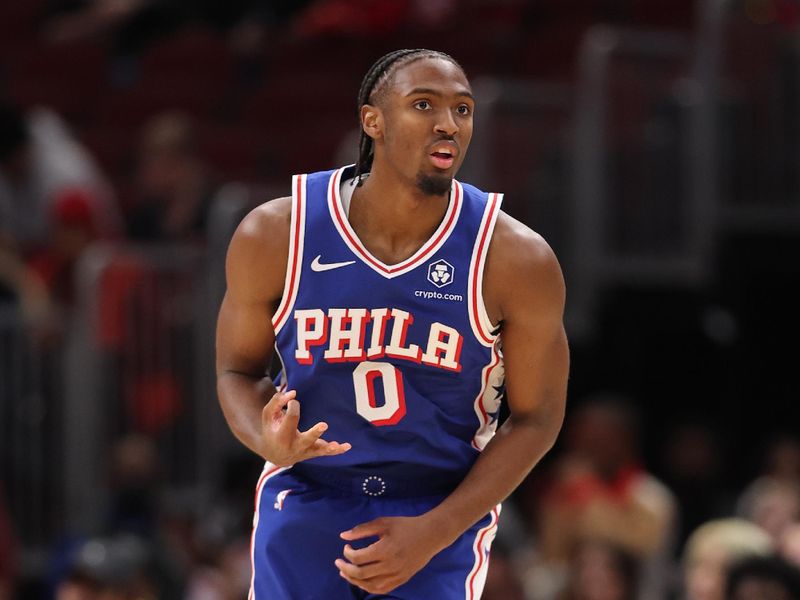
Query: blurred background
[[654, 143]]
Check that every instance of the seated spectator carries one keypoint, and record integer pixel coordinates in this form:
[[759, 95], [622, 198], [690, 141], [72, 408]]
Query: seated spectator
[[71, 231], [771, 504], [601, 491], [763, 578], [17, 283], [772, 501], [224, 572], [173, 187], [713, 548], [601, 571], [118, 568], [692, 465], [135, 478], [20, 285], [42, 165], [46, 178]]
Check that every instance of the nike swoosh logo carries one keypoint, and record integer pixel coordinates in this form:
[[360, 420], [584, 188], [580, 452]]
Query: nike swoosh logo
[[319, 267]]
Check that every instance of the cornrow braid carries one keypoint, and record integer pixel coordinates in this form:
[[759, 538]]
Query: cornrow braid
[[378, 73]]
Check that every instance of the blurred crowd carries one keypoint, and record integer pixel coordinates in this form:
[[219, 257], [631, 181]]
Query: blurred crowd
[[55, 201], [602, 526], [156, 543], [596, 521], [591, 523]]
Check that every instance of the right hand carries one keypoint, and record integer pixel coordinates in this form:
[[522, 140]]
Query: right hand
[[282, 443]]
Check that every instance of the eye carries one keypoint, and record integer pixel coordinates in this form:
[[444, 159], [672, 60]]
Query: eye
[[422, 104], [464, 110]]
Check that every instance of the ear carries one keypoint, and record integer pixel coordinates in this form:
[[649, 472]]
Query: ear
[[372, 121]]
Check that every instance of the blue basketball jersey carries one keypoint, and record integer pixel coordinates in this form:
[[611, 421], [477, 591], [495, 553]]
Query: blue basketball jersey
[[400, 360]]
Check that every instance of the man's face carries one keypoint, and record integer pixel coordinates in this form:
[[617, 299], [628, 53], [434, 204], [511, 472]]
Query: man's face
[[426, 123]]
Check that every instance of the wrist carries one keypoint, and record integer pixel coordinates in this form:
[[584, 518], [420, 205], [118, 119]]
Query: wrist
[[443, 528]]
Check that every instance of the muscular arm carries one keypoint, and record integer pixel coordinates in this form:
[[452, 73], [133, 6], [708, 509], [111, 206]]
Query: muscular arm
[[255, 270], [524, 289], [244, 327]]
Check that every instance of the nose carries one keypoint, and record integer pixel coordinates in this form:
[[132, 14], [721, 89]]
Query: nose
[[446, 123]]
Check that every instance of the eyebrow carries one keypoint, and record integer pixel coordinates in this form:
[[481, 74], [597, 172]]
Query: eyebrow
[[433, 92]]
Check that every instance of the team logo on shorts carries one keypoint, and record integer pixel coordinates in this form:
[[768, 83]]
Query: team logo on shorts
[[441, 273], [280, 498]]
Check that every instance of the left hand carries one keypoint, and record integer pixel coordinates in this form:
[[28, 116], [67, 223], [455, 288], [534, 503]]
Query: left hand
[[405, 545]]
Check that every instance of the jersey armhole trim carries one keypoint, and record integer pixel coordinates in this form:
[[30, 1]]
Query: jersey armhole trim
[[485, 332], [295, 262]]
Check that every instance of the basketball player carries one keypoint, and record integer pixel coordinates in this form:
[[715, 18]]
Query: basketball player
[[400, 302]]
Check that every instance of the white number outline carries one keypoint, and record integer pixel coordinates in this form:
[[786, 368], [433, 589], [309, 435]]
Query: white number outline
[[394, 406]]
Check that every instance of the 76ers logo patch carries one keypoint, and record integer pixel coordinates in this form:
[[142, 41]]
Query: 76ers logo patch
[[440, 273]]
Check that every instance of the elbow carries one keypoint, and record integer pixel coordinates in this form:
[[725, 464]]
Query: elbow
[[548, 430], [544, 423]]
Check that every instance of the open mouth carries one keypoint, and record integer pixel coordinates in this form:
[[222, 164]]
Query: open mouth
[[442, 158]]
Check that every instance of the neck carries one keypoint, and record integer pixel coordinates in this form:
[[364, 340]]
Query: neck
[[393, 217]]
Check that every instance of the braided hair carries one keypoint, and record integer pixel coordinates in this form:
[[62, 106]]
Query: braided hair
[[378, 74]]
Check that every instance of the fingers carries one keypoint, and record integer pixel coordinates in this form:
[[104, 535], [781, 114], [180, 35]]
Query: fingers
[[362, 583], [310, 445], [309, 437], [364, 556], [272, 415], [360, 572], [275, 405], [368, 529], [284, 426], [292, 411], [280, 398], [287, 429], [377, 584], [323, 448], [362, 565]]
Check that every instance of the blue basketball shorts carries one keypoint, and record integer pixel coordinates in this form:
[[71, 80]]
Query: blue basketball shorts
[[296, 539]]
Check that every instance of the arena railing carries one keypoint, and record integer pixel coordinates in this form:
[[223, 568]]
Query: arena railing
[[639, 211], [140, 359], [134, 365], [31, 445], [752, 63]]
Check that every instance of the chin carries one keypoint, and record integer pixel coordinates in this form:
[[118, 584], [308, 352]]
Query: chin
[[434, 185]]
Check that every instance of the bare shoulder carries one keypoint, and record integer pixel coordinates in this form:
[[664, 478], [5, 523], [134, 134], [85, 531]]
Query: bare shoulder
[[520, 245], [271, 217], [521, 269], [259, 251]]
